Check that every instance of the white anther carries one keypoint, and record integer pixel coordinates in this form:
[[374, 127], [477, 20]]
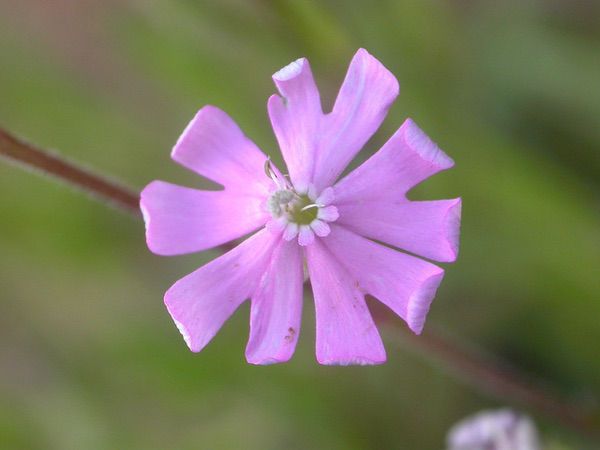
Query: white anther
[[279, 181], [312, 205]]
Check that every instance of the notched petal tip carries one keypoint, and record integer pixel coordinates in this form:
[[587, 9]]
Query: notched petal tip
[[187, 337], [419, 142], [143, 204], [266, 361], [453, 220], [420, 301], [148, 233], [290, 71], [368, 59], [177, 148], [147, 213], [149, 189], [275, 104], [353, 361]]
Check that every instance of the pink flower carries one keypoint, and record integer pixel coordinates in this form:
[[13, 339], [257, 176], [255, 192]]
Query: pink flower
[[309, 216]]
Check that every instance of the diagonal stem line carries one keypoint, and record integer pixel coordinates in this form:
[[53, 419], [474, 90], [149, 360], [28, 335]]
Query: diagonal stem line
[[496, 378], [483, 372], [102, 188]]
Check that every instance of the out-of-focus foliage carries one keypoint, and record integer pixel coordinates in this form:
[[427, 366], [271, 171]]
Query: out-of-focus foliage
[[89, 357]]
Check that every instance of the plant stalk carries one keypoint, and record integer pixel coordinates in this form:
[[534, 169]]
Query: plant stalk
[[101, 188]]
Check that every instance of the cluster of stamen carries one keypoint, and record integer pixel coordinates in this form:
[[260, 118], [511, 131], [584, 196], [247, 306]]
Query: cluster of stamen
[[299, 212]]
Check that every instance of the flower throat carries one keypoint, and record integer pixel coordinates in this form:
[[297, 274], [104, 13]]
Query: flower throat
[[298, 208]]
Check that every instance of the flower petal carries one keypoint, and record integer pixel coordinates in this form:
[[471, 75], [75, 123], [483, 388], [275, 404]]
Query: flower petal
[[329, 213], [320, 228], [346, 333], [405, 160], [277, 226], [326, 197], [361, 105], [202, 301], [428, 228], [213, 146], [306, 236], [291, 231], [404, 283], [184, 220], [276, 308], [295, 117]]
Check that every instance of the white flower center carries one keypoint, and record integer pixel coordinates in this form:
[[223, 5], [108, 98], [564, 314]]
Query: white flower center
[[297, 208], [299, 212]]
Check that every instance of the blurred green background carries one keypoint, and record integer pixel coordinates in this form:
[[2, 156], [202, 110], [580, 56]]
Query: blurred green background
[[89, 357]]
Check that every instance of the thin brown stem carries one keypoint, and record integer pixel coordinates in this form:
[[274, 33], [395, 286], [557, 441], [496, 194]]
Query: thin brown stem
[[31, 157], [467, 363], [494, 377]]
